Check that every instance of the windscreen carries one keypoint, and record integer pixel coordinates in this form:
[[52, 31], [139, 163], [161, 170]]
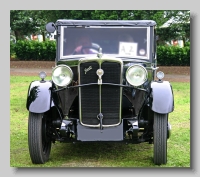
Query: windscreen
[[124, 41]]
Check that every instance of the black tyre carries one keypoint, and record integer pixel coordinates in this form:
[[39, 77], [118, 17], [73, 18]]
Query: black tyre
[[39, 140], [160, 138]]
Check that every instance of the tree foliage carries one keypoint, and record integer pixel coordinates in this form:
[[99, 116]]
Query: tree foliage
[[177, 26], [26, 22]]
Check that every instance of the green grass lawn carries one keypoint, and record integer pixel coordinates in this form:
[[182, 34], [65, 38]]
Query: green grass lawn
[[99, 154]]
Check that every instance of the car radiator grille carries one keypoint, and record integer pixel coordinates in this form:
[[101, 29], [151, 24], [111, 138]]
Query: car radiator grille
[[95, 99]]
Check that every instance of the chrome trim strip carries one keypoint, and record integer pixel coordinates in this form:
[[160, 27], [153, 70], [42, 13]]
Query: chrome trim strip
[[119, 85], [100, 103], [100, 61], [148, 42], [61, 41]]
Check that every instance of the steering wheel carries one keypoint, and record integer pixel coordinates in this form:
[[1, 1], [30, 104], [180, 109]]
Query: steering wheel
[[96, 48]]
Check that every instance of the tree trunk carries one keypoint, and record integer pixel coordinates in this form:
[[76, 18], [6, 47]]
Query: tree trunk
[[18, 35], [183, 38], [43, 36]]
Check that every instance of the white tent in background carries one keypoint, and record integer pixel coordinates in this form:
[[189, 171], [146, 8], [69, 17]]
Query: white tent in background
[[175, 20]]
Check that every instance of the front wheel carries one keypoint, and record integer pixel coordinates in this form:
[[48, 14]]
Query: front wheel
[[39, 139], [160, 138]]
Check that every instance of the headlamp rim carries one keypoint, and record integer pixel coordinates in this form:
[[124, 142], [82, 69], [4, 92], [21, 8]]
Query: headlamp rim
[[44, 74], [71, 74], [161, 73], [144, 69]]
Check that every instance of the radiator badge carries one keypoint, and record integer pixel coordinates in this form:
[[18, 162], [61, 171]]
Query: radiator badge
[[87, 69], [100, 73]]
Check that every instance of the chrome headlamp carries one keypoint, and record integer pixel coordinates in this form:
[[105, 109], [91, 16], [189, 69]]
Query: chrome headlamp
[[160, 75], [42, 75], [136, 75], [62, 75]]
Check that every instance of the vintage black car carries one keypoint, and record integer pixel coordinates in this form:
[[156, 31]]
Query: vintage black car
[[104, 88]]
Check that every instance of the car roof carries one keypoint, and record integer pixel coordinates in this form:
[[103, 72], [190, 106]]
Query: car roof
[[67, 22]]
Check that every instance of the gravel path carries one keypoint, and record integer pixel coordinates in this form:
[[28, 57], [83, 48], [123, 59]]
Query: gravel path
[[32, 68]]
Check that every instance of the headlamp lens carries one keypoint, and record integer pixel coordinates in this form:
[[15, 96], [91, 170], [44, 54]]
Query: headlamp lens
[[62, 75], [136, 75]]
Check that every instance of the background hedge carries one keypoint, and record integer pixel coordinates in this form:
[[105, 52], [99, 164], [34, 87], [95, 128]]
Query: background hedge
[[173, 56], [34, 50]]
